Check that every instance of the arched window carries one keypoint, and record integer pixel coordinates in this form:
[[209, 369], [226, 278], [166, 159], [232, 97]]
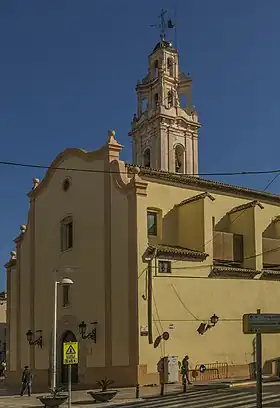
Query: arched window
[[144, 105], [156, 100], [179, 159], [147, 158], [170, 66], [156, 69], [65, 295], [170, 98], [66, 233]]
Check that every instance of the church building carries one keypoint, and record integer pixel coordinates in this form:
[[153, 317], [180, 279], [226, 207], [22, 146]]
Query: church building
[[162, 262]]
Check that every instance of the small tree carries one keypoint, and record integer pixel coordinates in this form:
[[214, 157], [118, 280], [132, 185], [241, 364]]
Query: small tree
[[104, 384]]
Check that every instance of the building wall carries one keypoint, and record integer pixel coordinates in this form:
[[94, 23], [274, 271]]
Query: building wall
[[193, 295], [98, 265], [3, 328]]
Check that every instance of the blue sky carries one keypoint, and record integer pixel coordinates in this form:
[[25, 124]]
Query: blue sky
[[68, 72]]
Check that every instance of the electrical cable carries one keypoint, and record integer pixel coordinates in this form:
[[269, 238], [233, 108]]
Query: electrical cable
[[183, 304], [43, 167]]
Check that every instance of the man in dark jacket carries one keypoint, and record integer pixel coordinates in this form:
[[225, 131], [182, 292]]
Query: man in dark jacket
[[26, 381], [185, 369]]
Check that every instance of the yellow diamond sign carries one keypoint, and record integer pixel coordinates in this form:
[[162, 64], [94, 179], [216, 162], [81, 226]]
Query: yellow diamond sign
[[70, 353]]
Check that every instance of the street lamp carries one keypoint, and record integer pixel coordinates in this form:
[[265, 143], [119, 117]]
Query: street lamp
[[63, 282], [214, 319], [36, 342], [83, 329]]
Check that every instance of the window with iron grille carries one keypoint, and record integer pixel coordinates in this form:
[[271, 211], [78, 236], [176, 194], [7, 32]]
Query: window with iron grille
[[164, 266]]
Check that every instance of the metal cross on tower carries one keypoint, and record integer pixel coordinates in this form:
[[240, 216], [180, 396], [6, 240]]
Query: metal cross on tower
[[163, 25]]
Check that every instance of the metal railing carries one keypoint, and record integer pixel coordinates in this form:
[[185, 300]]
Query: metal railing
[[213, 371]]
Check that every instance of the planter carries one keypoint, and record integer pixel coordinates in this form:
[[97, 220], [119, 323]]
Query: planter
[[53, 402], [103, 396]]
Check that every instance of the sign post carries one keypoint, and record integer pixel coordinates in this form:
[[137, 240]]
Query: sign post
[[70, 356], [69, 385], [258, 323], [259, 366]]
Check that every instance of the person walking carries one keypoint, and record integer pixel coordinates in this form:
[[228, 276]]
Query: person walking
[[26, 381], [3, 368], [185, 369]]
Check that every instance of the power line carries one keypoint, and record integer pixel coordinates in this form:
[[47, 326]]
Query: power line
[[201, 320], [243, 211], [212, 265], [183, 304], [74, 169]]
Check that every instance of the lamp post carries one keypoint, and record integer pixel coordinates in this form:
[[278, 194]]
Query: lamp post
[[63, 282], [214, 319], [37, 342]]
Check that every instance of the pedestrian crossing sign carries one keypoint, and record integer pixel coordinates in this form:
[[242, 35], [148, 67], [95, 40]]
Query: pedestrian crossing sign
[[70, 353]]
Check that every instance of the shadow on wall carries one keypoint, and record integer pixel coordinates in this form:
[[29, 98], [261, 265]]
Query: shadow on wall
[[169, 227], [272, 367]]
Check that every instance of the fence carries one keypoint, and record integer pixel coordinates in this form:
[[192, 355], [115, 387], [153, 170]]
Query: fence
[[213, 371]]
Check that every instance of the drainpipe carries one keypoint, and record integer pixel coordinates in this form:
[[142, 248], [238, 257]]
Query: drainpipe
[[149, 260]]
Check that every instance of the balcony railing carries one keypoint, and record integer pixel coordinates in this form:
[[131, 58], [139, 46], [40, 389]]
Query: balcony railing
[[228, 248], [271, 252]]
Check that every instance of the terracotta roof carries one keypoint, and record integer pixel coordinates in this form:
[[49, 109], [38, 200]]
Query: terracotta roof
[[210, 185], [195, 198], [270, 274], [163, 250], [234, 272], [245, 206]]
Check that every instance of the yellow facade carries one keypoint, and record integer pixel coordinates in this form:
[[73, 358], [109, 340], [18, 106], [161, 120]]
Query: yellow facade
[[108, 264], [148, 250]]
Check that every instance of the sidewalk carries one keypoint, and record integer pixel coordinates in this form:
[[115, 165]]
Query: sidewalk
[[80, 399]]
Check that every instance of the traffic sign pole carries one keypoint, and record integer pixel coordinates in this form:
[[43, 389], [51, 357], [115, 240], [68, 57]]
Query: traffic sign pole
[[259, 366], [69, 385]]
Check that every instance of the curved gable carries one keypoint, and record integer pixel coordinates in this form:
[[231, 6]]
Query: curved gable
[[66, 154]]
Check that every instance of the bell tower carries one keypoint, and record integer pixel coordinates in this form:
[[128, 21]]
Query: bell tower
[[164, 129]]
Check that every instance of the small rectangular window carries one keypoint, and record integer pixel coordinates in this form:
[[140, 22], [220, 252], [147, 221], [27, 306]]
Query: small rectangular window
[[65, 294], [66, 234], [152, 223], [164, 266]]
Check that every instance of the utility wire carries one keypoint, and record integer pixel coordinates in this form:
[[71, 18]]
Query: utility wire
[[243, 211], [43, 167], [183, 304], [211, 265], [239, 215], [201, 320]]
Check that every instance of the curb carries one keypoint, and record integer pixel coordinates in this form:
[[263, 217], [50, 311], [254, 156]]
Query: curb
[[242, 384], [254, 382], [213, 386]]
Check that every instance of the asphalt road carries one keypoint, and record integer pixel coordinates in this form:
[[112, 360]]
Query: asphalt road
[[244, 397]]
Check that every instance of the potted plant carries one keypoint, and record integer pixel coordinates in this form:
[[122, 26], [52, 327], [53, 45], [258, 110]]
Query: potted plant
[[55, 398], [104, 395]]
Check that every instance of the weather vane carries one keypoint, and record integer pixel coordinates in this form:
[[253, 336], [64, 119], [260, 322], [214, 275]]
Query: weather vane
[[163, 25]]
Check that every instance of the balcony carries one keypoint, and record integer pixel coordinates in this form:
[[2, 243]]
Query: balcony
[[271, 253], [228, 248]]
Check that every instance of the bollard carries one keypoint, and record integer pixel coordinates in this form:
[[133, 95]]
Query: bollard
[[184, 385], [162, 389], [137, 390]]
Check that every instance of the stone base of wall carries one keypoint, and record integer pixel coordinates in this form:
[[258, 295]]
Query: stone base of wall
[[122, 376]]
